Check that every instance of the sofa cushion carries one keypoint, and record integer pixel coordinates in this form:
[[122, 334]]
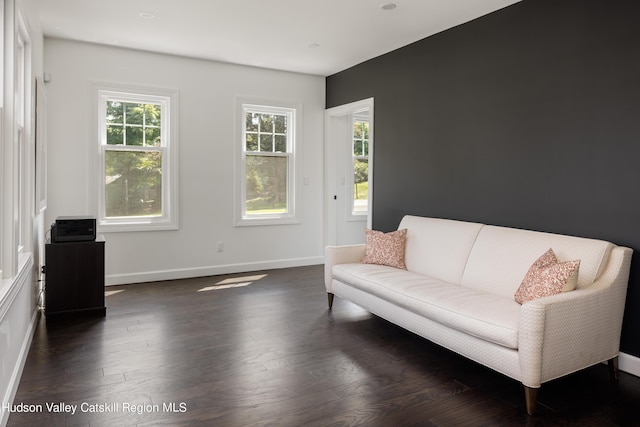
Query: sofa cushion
[[487, 316], [547, 277], [438, 247], [385, 248], [501, 257]]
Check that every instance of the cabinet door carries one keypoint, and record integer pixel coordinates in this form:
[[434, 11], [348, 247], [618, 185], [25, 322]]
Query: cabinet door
[[74, 276]]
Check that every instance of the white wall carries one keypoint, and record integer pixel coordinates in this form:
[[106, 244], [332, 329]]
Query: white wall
[[18, 278], [207, 92]]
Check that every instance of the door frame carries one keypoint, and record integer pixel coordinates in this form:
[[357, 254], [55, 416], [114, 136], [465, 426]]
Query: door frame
[[333, 118]]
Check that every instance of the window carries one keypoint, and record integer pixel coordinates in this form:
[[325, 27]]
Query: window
[[137, 182], [20, 131], [16, 154], [267, 170], [360, 163]]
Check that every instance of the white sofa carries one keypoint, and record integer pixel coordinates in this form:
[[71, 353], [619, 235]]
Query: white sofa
[[458, 291]]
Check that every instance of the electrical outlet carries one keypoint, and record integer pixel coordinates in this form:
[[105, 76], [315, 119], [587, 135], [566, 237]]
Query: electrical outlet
[[220, 246]]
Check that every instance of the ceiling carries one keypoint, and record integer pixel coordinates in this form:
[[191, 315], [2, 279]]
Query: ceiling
[[318, 37]]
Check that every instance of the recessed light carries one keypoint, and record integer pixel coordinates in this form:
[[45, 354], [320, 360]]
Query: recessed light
[[147, 15], [388, 6]]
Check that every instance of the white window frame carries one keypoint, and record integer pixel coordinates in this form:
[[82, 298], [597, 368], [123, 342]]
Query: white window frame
[[168, 99], [16, 153], [354, 215], [294, 111], [22, 93]]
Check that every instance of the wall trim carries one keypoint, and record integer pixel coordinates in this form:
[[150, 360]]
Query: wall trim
[[14, 382], [7, 302], [214, 270], [629, 364]]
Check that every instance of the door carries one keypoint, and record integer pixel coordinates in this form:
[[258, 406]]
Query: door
[[349, 171]]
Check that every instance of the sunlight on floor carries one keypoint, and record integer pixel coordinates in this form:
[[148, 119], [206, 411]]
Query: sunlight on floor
[[109, 293], [234, 282]]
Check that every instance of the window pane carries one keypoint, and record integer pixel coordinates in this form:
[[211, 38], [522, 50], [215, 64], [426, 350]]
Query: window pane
[[251, 122], [133, 113], [152, 114], [266, 143], [281, 124], [114, 112], [357, 147], [357, 130], [360, 138], [134, 136], [133, 184], [152, 137], [266, 185], [252, 142], [114, 135], [281, 144], [266, 123], [361, 185]]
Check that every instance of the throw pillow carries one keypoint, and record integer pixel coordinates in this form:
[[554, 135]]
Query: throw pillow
[[385, 248], [547, 277]]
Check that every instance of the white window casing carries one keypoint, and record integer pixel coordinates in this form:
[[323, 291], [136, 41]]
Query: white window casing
[[359, 207], [167, 150], [284, 159]]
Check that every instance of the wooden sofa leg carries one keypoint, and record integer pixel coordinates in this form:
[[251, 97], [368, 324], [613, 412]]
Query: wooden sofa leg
[[330, 298], [613, 368], [530, 396]]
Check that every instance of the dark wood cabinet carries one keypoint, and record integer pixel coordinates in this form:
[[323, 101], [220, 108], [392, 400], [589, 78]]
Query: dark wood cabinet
[[74, 277]]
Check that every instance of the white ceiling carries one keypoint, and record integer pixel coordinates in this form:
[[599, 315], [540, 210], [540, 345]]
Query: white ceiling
[[310, 36]]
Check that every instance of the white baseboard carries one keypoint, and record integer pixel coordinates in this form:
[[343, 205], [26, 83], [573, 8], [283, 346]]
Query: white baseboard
[[629, 364], [14, 382], [185, 273]]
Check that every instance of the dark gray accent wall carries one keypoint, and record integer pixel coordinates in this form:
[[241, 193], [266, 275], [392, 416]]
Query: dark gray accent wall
[[528, 117]]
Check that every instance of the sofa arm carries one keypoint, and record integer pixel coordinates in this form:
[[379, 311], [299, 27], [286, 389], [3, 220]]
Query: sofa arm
[[570, 331], [340, 255]]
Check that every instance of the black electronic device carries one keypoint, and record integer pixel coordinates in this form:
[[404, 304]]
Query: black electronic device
[[73, 229]]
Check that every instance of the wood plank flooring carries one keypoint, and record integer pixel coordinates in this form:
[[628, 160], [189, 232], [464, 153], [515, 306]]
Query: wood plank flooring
[[261, 349]]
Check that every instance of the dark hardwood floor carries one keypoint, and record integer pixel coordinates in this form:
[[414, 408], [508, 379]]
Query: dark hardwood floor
[[261, 349]]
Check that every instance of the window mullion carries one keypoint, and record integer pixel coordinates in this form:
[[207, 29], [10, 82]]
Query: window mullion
[[144, 133]]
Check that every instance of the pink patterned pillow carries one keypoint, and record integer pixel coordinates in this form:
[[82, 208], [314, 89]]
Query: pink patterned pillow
[[547, 277], [385, 249]]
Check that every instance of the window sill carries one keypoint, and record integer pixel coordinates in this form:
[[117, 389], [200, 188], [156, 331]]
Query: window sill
[[249, 222], [126, 226]]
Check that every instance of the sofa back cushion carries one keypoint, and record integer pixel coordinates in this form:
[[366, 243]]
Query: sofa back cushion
[[438, 248], [501, 257]]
